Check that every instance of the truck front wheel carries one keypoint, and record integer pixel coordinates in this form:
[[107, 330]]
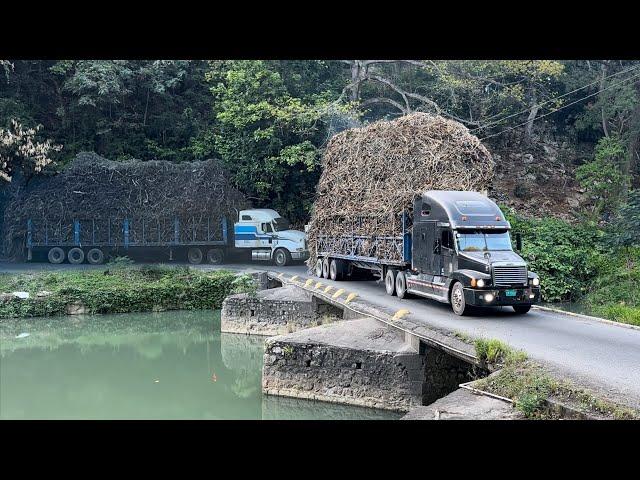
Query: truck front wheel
[[456, 298], [521, 309], [281, 257]]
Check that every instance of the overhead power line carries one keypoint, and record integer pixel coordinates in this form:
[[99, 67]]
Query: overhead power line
[[563, 107], [550, 100]]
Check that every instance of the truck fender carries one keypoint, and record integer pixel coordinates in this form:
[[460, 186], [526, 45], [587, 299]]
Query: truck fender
[[464, 276]]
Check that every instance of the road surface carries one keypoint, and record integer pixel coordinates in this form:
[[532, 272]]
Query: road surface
[[601, 356]]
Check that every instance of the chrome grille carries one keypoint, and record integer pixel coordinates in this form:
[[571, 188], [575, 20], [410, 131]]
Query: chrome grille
[[504, 275]]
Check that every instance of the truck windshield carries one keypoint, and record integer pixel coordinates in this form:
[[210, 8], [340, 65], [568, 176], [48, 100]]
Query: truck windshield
[[482, 240], [280, 224]]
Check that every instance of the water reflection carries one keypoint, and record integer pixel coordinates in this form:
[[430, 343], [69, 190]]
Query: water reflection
[[172, 365]]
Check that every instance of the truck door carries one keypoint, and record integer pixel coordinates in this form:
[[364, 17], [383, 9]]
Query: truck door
[[422, 246], [446, 251]]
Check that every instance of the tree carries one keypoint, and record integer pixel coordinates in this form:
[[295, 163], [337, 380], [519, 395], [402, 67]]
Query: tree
[[20, 150], [266, 136]]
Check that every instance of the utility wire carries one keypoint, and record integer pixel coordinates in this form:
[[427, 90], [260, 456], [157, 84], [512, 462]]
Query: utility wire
[[550, 100], [563, 107]]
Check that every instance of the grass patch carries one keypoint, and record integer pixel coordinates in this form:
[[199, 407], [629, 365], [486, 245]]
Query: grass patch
[[529, 386], [495, 352], [122, 289]]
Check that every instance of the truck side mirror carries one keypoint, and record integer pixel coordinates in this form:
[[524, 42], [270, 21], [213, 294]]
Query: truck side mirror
[[518, 241]]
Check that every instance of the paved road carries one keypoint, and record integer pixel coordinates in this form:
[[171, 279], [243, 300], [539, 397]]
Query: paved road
[[602, 356]]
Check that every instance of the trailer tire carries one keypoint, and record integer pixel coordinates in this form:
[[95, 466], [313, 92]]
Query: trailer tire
[[336, 267], [318, 270], [325, 268], [56, 255], [390, 281], [401, 285], [95, 256], [521, 309], [194, 256], [456, 297], [75, 256], [215, 256]]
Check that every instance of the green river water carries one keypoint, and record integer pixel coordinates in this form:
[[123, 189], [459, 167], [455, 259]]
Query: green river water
[[171, 365]]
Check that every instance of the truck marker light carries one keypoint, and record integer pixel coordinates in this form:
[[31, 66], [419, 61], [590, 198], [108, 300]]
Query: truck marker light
[[319, 284], [308, 282], [328, 289], [351, 297], [338, 293], [401, 313], [473, 282]]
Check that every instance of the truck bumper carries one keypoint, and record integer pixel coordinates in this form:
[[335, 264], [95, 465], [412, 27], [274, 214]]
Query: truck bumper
[[300, 255], [523, 296]]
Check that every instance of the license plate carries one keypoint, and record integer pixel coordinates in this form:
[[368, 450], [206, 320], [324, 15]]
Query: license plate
[[510, 293]]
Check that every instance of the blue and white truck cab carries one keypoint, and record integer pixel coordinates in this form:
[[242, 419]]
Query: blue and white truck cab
[[269, 237]]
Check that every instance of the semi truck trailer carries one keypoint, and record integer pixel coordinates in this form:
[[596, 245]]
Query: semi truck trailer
[[261, 234], [454, 247]]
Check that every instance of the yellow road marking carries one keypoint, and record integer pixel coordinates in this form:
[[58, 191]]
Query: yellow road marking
[[338, 293], [328, 289], [308, 282], [294, 277], [401, 313], [280, 274], [319, 284], [351, 297]]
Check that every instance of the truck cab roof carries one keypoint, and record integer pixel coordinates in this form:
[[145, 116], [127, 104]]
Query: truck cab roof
[[258, 215], [461, 209]]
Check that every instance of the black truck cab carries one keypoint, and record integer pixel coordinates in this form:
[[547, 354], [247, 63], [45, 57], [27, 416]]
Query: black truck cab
[[461, 254]]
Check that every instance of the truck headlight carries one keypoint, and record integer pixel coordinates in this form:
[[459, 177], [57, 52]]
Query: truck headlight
[[480, 283], [535, 282], [488, 297]]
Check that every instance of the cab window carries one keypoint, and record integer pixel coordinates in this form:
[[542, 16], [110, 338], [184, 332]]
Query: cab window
[[246, 217], [266, 227]]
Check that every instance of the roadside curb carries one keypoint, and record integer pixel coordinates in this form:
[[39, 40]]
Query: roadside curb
[[588, 317]]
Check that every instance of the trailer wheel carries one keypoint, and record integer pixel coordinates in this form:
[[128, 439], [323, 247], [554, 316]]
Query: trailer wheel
[[56, 255], [325, 268], [456, 298], [390, 281], [75, 256], [335, 269], [281, 257], [215, 256], [401, 285], [194, 255], [521, 309], [95, 256], [319, 268]]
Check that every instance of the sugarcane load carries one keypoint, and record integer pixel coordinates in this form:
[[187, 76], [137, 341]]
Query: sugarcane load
[[401, 200]]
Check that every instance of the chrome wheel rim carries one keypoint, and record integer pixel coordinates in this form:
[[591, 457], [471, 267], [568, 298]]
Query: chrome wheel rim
[[279, 258], [456, 298], [319, 268]]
